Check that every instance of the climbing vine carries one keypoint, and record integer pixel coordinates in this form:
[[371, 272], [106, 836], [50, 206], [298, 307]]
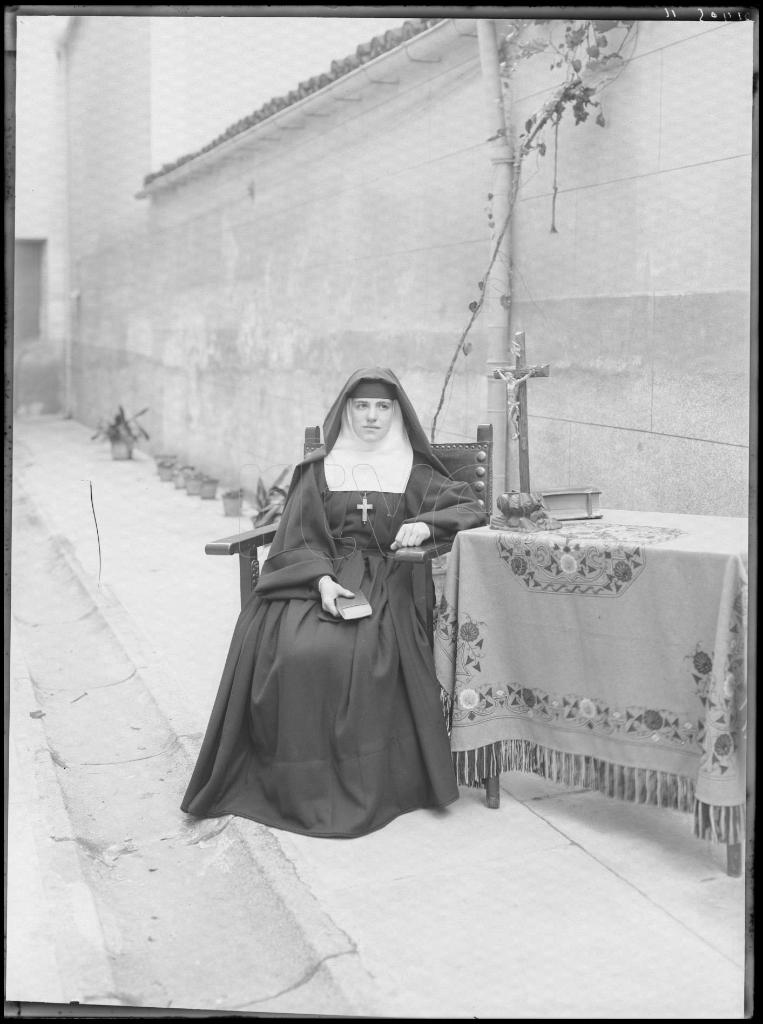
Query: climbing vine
[[589, 53]]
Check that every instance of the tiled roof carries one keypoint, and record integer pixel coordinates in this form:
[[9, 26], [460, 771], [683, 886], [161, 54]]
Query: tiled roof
[[363, 54]]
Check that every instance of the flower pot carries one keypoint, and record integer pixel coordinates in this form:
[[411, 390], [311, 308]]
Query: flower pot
[[121, 450], [209, 488], [166, 471], [179, 478], [164, 459], [231, 505], [193, 485]]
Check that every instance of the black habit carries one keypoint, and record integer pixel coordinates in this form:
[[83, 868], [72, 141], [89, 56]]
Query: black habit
[[323, 726]]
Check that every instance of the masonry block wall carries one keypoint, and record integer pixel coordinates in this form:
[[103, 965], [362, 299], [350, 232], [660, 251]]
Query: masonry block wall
[[641, 301], [247, 285], [108, 107], [354, 235]]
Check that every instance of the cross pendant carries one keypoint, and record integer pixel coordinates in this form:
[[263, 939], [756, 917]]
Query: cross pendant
[[364, 508]]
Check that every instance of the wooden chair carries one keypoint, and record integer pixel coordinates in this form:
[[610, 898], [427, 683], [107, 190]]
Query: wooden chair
[[468, 461]]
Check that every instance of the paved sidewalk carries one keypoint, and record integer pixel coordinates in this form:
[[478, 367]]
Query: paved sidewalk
[[557, 905]]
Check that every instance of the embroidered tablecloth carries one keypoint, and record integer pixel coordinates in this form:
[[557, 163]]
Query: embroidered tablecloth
[[609, 653]]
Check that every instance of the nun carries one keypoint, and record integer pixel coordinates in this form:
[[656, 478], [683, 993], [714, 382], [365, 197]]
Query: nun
[[328, 725]]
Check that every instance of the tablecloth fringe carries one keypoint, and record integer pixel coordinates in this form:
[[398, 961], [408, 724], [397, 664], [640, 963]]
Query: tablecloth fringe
[[446, 702], [722, 824], [637, 785]]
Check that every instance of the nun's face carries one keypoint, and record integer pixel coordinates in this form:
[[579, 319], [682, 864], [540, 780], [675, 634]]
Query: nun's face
[[371, 418]]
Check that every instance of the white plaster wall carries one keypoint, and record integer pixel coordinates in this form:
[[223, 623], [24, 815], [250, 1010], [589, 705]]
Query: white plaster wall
[[40, 191], [641, 299], [271, 269], [336, 262]]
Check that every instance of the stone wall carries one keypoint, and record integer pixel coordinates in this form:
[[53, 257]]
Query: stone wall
[[353, 230], [269, 275], [108, 123], [641, 300]]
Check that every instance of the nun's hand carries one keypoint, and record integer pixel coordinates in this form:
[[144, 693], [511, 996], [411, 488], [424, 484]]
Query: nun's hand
[[411, 535], [330, 590]]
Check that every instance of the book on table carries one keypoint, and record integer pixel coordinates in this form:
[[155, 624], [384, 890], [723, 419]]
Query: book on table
[[573, 503]]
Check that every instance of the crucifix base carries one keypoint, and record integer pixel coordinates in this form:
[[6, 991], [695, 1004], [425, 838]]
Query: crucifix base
[[522, 510]]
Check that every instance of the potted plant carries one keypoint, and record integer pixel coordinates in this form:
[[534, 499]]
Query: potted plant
[[232, 501], [209, 487], [193, 483], [270, 500], [166, 468], [162, 458], [181, 475], [123, 432]]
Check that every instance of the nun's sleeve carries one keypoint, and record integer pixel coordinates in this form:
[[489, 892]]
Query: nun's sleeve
[[302, 550], [444, 505]]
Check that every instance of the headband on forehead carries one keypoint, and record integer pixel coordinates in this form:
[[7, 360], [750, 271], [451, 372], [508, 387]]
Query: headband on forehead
[[375, 375], [373, 389]]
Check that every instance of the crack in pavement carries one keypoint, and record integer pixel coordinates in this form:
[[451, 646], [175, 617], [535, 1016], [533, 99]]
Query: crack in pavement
[[121, 998], [56, 758], [42, 688], [350, 941], [108, 855], [303, 980], [53, 622], [207, 835], [129, 760]]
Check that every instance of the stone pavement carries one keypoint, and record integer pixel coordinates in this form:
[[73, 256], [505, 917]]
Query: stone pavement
[[559, 904]]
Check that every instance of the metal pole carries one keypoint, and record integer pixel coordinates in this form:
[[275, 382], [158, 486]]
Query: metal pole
[[497, 302]]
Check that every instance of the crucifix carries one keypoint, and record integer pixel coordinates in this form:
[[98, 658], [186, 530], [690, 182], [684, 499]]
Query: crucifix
[[516, 378], [364, 508]]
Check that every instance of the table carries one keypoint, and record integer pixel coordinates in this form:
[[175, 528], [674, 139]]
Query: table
[[609, 653]]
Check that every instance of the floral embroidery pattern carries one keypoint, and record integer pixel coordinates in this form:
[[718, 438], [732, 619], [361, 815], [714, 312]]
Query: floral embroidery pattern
[[586, 558], [468, 698], [446, 624], [721, 690], [653, 725], [466, 640], [560, 564]]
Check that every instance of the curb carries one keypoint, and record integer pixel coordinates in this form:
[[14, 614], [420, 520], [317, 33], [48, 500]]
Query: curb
[[65, 950], [337, 959]]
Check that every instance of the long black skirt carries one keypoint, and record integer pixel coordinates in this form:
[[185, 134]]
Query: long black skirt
[[326, 727]]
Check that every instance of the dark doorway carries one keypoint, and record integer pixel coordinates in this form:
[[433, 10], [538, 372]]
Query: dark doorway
[[27, 291], [37, 366]]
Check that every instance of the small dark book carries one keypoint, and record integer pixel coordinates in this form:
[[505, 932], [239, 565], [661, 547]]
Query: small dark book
[[356, 607]]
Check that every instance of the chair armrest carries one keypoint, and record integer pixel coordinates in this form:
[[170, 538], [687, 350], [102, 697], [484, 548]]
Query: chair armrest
[[421, 554], [241, 543]]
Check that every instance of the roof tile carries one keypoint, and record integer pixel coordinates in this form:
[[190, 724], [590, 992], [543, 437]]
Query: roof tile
[[363, 53]]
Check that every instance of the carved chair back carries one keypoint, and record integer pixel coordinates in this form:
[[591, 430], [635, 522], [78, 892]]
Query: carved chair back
[[468, 461]]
